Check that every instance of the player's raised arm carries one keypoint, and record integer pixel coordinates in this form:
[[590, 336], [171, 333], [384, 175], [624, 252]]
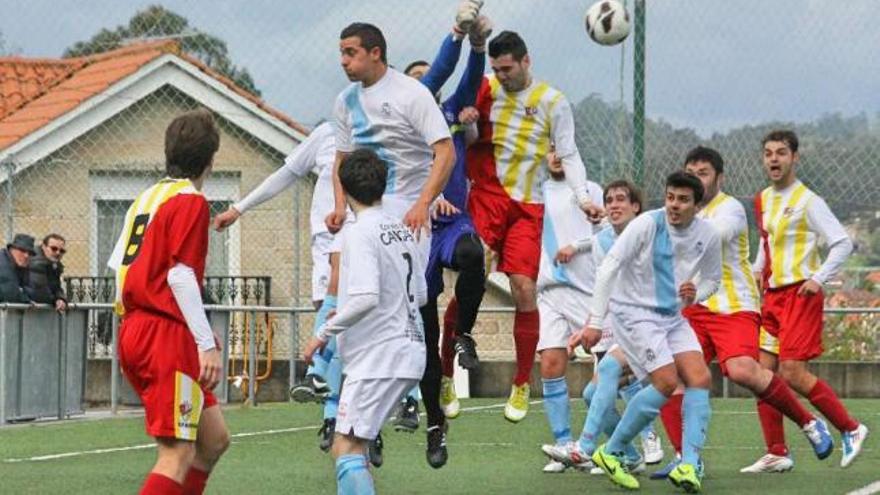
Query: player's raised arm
[[562, 135], [300, 162]]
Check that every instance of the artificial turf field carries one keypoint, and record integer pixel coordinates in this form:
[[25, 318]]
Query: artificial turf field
[[274, 450]]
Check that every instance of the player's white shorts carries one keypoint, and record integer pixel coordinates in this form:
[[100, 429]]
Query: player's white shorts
[[607, 341], [650, 340], [561, 312], [366, 404], [397, 207], [321, 249]]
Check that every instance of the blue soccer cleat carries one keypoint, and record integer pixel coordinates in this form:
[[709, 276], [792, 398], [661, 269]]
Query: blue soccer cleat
[[817, 433]]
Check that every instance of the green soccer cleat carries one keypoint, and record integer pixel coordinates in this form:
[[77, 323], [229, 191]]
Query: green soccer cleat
[[615, 469], [686, 477]]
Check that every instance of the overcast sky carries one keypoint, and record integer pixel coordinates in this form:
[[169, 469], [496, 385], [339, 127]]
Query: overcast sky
[[712, 64]]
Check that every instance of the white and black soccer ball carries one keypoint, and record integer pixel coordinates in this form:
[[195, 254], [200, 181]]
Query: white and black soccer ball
[[607, 22]]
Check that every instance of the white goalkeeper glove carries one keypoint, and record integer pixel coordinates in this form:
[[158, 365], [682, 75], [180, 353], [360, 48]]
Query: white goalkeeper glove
[[467, 13], [479, 33]]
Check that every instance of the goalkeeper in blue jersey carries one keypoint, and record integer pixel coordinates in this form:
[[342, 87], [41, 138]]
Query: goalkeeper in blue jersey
[[454, 242]]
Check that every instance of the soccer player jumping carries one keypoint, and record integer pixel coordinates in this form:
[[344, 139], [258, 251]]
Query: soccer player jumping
[[792, 219], [519, 119], [166, 347]]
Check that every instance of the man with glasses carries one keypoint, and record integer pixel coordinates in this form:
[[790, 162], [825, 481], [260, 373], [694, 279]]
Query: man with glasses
[[46, 269]]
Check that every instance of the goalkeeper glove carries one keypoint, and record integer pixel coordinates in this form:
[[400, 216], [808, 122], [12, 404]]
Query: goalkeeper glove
[[467, 13], [480, 31]]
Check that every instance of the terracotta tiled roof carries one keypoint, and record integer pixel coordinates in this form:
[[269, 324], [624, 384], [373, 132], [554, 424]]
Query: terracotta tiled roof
[[34, 92]]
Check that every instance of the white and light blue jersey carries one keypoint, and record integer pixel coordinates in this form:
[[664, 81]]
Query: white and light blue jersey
[[565, 224], [398, 118], [651, 259]]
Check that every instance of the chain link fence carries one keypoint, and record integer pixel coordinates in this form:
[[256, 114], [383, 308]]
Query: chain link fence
[[85, 104]]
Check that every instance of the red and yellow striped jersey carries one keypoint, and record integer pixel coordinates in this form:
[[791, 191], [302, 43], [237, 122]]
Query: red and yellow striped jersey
[[515, 134]]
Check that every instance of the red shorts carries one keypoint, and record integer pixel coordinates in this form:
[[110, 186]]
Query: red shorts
[[509, 228], [161, 361], [792, 323], [724, 336]]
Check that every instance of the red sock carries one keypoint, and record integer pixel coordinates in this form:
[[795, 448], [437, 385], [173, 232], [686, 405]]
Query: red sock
[[779, 395], [823, 397], [159, 484], [525, 338], [195, 481], [670, 415], [771, 425], [447, 346]]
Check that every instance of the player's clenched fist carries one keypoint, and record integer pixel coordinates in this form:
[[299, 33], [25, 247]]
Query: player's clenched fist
[[467, 13], [210, 368], [687, 292], [334, 221], [315, 344], [587, 337], [468, 115], [226, 219]]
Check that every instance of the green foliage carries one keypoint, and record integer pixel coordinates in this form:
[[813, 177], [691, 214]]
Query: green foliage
[[157, 22], [848, 338]]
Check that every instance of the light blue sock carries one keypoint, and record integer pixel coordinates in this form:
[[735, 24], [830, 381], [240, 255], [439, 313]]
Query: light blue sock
[[322, 359], [589, 392], [611, 419], [627, 393], [352, 475], [602, 402], [640, 411], [557, 409], [334, 382], [415, 393], [696, 411]]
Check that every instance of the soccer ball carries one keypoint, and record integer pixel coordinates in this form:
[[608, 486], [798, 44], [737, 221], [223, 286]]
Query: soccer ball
[[607, 22]]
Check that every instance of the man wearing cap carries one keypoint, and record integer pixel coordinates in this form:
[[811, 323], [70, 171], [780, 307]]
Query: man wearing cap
[[14, 269]]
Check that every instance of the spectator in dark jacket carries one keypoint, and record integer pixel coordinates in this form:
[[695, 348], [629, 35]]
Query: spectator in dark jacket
[[44, 285], [14, 269]]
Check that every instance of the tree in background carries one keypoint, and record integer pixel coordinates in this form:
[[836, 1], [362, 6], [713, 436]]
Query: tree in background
[[157, 22]]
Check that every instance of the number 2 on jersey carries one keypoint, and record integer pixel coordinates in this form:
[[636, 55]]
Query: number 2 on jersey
[[408, 258]]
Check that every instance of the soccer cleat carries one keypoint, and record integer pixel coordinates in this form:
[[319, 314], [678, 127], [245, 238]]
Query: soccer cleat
[[407, 416], [466, 348], [817, 433], [569, 454], [374, 451], [555, 467], [635, 465], [436, 452], [313, 388], [687, 477], [652, 448], [448, 400], [615, 469], [663, 472], [852, 444], [326, 433], [517, 404], [770, 463]]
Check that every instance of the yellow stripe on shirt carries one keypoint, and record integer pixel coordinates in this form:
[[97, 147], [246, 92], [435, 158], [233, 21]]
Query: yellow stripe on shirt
[[541, 149], [780, 239], [521, 139]]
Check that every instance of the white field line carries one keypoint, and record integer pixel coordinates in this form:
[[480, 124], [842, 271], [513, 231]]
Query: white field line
[[867, 489], [79, 453]]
